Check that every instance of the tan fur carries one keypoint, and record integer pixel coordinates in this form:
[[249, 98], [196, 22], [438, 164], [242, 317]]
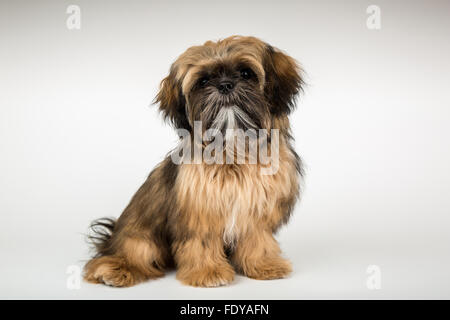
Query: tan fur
[[217, 191], [133, 264], [238, 204]]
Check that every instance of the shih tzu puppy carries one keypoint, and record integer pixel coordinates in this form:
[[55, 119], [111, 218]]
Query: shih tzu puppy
[[201, 210]]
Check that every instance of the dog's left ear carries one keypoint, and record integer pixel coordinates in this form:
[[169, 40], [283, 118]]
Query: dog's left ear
[[172, 102], [283, 80]]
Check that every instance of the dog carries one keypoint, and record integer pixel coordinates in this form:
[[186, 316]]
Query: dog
[[208, 219]]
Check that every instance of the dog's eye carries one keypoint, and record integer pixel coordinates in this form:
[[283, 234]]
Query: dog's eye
[[203, 81], [247, 73]]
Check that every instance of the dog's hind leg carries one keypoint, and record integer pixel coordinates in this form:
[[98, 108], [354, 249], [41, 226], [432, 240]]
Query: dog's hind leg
[[135, 248], [136, 260]]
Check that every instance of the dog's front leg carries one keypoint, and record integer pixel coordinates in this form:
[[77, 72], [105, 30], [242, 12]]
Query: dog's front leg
[[201, 260], [258, 256]]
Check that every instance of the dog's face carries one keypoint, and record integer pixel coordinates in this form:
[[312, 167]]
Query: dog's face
[[238, 82]]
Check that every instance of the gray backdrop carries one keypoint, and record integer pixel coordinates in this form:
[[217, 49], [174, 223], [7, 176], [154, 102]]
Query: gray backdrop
[[78, 137]]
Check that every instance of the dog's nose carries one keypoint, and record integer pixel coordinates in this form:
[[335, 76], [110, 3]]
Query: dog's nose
[[225, 86]]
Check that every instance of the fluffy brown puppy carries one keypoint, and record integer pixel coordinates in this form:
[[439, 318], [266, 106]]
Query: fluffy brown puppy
[[210, 219]]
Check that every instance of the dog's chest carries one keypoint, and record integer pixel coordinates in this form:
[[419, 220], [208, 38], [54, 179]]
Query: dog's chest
[[237, 194]]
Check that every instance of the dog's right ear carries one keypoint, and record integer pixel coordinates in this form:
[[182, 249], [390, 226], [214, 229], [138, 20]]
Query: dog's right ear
[[172, 102]]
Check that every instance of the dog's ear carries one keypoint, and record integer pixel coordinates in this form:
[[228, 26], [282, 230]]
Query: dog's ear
[[283, 80], [172, 102]]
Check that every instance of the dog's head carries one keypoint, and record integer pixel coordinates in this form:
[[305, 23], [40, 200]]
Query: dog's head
[[238, 82]]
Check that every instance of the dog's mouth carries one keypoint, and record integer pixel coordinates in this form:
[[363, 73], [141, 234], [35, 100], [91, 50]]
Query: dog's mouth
[[232, 111]]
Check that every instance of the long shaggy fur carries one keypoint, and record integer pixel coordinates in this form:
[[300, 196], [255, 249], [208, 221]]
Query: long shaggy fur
[[210, 220]]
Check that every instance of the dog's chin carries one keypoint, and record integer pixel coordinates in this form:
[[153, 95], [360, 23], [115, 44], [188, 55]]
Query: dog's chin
[[232, 117]]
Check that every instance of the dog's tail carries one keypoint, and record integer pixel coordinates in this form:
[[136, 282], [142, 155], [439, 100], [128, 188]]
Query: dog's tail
[[100, 233]]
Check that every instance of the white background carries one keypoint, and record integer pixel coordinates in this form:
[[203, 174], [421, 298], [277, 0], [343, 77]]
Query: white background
[[78, 136]]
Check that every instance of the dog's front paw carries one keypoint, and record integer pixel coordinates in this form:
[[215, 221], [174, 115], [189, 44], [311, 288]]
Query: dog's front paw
[[268, 269], [207, 276]]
